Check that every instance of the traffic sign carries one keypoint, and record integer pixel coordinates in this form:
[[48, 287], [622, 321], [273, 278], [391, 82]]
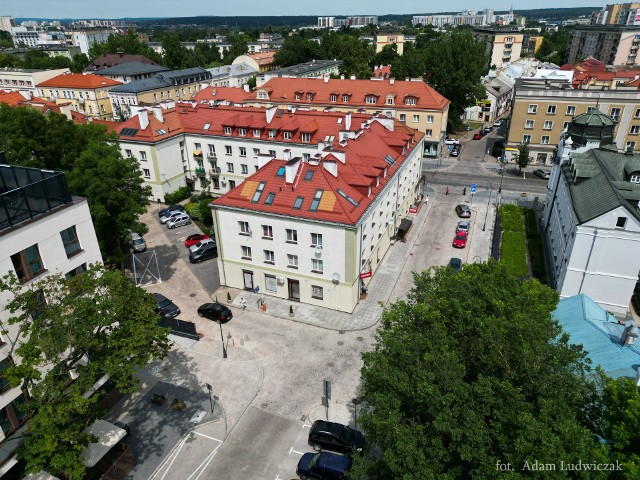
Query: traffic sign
[[473, 188]]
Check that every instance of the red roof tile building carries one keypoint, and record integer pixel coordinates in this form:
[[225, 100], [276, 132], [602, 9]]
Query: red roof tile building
[[22, 99], [412, 102]]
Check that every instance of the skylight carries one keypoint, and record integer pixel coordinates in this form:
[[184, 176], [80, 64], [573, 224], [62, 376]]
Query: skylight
[[348, 198], [280, 172], [256, 196], [298, 203], [206, 126], [270, 198], [390, 160], [315, 203], [129, 132], [309, 175], [161, 131]]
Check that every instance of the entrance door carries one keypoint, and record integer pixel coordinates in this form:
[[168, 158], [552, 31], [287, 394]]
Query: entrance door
[[294, 289], [248, 279]]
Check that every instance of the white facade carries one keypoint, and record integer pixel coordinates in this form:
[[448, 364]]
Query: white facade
[[26, 80], [231, 75], [6, 23], [24, 36], [85, 40]]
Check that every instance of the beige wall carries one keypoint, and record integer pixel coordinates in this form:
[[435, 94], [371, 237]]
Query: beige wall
[[397, 38]]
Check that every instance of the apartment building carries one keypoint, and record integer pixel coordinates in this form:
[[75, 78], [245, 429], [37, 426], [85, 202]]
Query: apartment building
[[412, 102], [503, 45], [262, 62], [7, 23], [87, 94], [24, 36], [15, 79], [171, 85], [543, 108], [231, 75], [312, 69], [611, 44], [131, 71], [112, 59], [43, 230], [591, 221], [85, 39], [467, 17], [617, 14], [315, 230]]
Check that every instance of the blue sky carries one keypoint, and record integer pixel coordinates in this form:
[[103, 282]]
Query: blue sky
[[171, 8]]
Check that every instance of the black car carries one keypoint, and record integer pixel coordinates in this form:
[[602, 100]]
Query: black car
[[215, 311], [166, 307], [170, 209], [205, 252], [323, 466], [463, 211], [455, 264], [335, 436]]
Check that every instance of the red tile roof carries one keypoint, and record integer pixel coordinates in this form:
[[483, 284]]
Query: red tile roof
[[345, 196], [283, 90], [77, 80], [383, 71], [582, 79], [263, 58], [16, 99], [217, 95]]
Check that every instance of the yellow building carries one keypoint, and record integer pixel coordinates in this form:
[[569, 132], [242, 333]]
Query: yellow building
[[503, 45], [88, 94], [390, 38], [262, 61]]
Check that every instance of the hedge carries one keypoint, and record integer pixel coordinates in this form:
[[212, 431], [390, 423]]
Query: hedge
[[511, 218], [205, 211], [513, 253], [536, 249], [174, 197]]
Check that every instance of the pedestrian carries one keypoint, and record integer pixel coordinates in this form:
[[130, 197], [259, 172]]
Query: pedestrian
[[446, 192], [464, 190], [243, 303]]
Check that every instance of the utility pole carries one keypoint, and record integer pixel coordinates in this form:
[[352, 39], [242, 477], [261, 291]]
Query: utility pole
[[487, 212]]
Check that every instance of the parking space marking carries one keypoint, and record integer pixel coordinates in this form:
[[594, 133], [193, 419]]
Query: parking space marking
[[207, 436], [295, 451], [305, 425], [203, 466], [175, 454]]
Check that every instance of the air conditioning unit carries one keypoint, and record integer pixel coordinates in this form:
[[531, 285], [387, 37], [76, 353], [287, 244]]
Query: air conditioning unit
[[280, 280]]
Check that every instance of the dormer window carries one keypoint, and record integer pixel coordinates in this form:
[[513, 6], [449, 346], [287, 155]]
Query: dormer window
[[272, 133], [333, 97], [309, 96], [635, 177], [287, 135], [227, 130], [256, 132], [345, 98], [263, 95], [298, 96], [410, 101], [390, 101], [242, 132], [306, 137], [370, 99]]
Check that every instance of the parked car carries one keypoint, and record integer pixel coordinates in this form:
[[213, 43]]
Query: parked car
[[498, 123], [202, 243], [335, 436], [463, 226], [138, 243], [487, 130], [179, 221], [455, 264], [323, 466], [215, 311], [542, 174], [455, 151], [166, 307], [451, 141], [463, 211], [460, 240], [477, 136], [172, 208], [193, 239], [204, 253], [170, 215]]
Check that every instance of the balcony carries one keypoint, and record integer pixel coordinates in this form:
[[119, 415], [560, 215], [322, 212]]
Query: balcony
[[215, 171], [197, 153], [211, 155], [200, 171]]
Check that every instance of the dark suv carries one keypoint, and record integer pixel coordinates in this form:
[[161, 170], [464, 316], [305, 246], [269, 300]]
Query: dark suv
[[335, 436], [166, 307], [323, 466]]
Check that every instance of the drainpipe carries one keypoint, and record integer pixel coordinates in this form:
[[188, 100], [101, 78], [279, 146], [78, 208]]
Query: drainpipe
[[595, 235]]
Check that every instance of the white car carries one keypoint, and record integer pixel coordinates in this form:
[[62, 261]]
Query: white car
[[463, 226], [170, 215], [498, 123], [451, 141], [201, 243], [179, 220]]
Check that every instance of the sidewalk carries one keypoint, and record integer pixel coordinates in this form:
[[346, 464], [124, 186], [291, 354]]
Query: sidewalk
[[367, 312]]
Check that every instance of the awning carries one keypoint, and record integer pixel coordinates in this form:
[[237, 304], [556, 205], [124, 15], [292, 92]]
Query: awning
[[108, 436]]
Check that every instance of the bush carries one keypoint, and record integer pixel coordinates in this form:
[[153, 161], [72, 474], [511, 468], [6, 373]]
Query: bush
[[180, 194], [193, 211], [536, 249], [513, 253], [205, 211], [511, 218]]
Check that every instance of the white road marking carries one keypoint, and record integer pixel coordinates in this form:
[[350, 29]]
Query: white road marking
[[207, 436]]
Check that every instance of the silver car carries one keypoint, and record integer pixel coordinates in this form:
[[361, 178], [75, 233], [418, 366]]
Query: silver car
[[179, 220], [202, 243], [138, 243], [170, 215], [462, 226]]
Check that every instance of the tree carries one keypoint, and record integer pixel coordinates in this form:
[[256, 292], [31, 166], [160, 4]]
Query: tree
[[387, 55], [175, 54], [5, 39], [79, 63], [9, 61], [469, 373], [127, 43], [97, 315], [297, 49], [523, 158]]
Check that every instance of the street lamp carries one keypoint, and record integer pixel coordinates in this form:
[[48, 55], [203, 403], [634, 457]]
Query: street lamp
[[487, 212], [210, 388], [502, 164], [224, 350]]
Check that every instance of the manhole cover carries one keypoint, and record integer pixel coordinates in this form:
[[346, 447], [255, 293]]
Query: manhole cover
[[340, 343], [192, 295], [331, 364], [360, 339], [264, 405]]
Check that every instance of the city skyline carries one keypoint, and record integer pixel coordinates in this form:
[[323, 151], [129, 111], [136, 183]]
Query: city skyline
[[163, 8]]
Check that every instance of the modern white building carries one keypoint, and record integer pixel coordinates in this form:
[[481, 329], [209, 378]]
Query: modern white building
[[24, 36], [312, 69], [231, 75], [591, 221], [85, 39], [43, 230], [7, 23], [315, 229], [12, 79]]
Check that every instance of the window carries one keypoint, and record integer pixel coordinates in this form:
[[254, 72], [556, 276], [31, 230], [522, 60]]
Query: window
[[292, 236], [216, 183], [146, 173], [403, 117], [228, 150], [333, 97], [272, 133], [429, 133], [571, 110], [227, 130], [128, 153], [270, 198], [370, 99], [345, 98], [551, 110], [548, 125], [565, 125], [28, 263], [267, 232], [229, 167], [635, 129], [615, 114], [416, 118], [533, 109], [243, 152], [390, 101], [315, 203], [70, 241], [270, 283], [242, 132], [244, 228], [258, 193], [292, 261], [232, 184], [316, 265], [309, 96], [244, 169], [630, 146], [526, 139], [429, 118], [306, 137], [410, 101], [316, 239], [622, 221], [212, 150], [76, 271], [637, 113], [544, 140], [635, 178], [269, 257], [298, 96], [298, 203], [273, 154], [246, 252], [4, 382], [256, 132], [143, 156], [13, 415], [287, 135], [528, 124], [591, 109], [256, 152], [316, 292]]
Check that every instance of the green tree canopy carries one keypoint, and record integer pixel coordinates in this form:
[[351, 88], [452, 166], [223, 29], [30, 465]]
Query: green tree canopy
[[127, 43], [523, 158], [554, 46], [470, 371], [175, 55], [297, 49], [387, 55], [98, 315]]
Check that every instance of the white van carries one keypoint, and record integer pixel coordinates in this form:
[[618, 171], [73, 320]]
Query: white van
[[178, 221]]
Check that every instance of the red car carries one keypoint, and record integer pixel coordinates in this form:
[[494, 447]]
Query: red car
[[477, 136], [460, 240], [193, 239]]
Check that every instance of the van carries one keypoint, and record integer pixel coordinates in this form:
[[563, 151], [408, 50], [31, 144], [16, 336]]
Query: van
[[138, 243], [179, 220]]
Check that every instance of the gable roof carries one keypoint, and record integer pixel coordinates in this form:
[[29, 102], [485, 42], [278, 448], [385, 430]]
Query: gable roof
[[283, 90], [220, 95], [111, 59], [133, 68], [16, 99], [163, 80], [77, 80]]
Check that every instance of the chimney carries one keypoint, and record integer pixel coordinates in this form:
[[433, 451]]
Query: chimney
[[331, 166], [347, 121], [352, 77], [630, 333], [157, 112], [25, 93], [246, 87], [341, 77], [143, 116], [391, 80], [290, 170], [326, 79]]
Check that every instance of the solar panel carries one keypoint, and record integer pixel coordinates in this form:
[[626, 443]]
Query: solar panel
[[129, 132]]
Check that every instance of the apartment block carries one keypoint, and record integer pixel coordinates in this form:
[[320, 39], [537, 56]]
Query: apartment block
[[13, 79], [611, 44], [503, 45], [231, 75], [312, 69]]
